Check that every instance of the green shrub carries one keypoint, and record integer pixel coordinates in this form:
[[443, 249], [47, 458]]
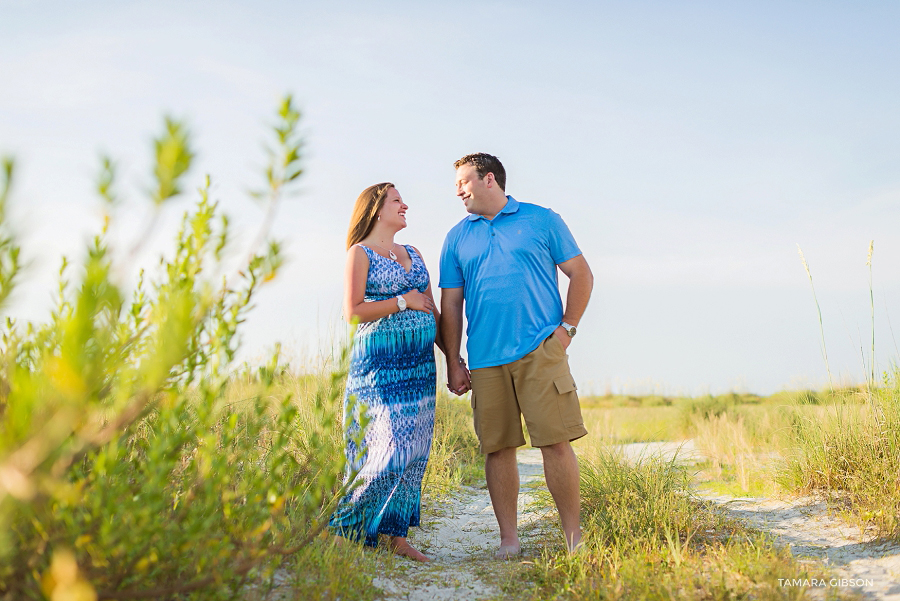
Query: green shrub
[[126, 469], [656, 401], [807, 397], [704, 408]]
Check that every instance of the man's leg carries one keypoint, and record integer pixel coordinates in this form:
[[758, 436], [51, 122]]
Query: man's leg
[[561, 473], [502, 474]]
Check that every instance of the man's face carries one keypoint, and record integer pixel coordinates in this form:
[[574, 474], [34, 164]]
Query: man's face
[[471, 188]]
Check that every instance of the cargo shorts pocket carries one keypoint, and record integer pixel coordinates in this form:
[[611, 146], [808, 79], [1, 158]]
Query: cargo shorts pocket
[[565, 384], [569, 409]]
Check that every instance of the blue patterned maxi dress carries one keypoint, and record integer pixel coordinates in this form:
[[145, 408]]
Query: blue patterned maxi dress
[[392, 372]]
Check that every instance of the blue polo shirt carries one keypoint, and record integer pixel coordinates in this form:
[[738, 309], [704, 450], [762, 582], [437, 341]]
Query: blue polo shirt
[[507, 269]]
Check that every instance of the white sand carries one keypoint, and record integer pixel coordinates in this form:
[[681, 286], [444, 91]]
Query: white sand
[[462, 542], [808, 529], [462, 538], [810, 532]]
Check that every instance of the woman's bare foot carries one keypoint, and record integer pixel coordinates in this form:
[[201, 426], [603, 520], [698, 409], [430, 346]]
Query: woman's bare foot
[[400, 546], [338, 540]]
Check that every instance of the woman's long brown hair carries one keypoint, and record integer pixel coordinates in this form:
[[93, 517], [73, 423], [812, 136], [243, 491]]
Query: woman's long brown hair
[[365, 212]]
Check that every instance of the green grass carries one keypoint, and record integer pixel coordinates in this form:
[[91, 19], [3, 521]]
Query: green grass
[[323, 570], [455, 459], [733, 481], [739, 449], [629, 418], [843, 443], [852, 451], [647, 538], [629, 424]]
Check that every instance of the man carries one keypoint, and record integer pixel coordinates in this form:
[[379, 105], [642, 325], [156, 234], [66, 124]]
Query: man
[[500, 262]]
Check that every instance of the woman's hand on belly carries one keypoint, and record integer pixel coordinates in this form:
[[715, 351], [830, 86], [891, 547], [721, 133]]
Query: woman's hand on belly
[[417, 301]]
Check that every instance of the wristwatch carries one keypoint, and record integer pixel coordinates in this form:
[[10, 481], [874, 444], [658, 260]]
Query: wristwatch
[[401, 302], [570, 329]]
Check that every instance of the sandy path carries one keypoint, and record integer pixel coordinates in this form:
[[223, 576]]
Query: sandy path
[[463, 536], [805, 525], [808, 529], [462, 540]]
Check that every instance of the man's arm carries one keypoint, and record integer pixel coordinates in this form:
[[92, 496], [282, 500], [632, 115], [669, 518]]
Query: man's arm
[[581, 282], [451, 331]]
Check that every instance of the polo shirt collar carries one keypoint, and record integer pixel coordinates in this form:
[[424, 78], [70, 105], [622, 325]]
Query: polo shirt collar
[[512, 205]]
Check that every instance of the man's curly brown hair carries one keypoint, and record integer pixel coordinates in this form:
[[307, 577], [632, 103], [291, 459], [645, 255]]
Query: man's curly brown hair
[[485, 163]]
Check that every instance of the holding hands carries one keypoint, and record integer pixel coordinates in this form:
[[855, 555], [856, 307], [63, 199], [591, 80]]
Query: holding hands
[[458, 378]]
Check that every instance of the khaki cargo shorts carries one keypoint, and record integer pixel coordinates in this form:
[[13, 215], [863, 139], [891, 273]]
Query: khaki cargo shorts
[[540, 387]]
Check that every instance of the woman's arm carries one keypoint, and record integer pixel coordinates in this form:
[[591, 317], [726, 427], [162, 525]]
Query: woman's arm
[[355, 274]]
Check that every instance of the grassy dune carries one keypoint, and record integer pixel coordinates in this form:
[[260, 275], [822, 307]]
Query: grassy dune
[[646, 535], [647, 538], [843, 443]]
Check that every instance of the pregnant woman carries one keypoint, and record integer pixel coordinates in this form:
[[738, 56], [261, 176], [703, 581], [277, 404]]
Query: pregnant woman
[[392, 372]]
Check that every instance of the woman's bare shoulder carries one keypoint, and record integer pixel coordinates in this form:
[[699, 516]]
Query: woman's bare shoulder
[[357, 254]]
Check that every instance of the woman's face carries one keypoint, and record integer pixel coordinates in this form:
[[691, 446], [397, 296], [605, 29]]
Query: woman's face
[[393, 212]]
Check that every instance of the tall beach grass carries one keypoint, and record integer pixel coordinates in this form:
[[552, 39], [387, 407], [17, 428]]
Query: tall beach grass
[[851, 452], [646, 537]]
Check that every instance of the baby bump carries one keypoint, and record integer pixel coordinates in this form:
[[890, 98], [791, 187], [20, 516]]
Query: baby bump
[[406, 333]]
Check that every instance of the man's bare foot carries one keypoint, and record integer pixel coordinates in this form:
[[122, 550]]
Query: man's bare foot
[[508, 551], [400, 546], [574, 544]]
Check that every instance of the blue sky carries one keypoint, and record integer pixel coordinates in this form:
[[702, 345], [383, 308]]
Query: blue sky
[[690, 147]]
